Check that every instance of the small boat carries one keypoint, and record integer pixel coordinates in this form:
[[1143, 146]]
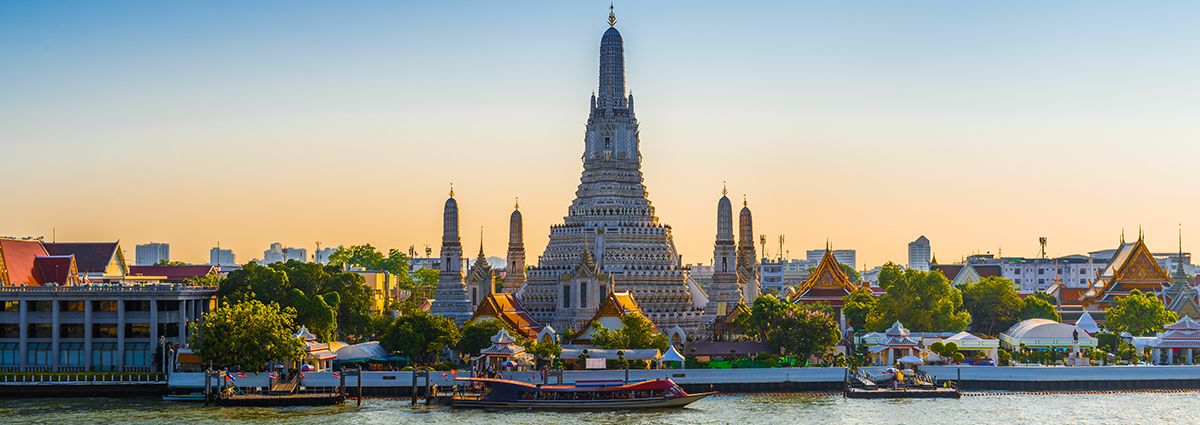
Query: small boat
[[503, 393], [193, 397]]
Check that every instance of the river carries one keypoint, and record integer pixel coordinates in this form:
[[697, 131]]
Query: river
[[1125, 408]]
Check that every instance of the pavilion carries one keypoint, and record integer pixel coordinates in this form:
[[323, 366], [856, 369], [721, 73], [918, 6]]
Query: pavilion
[[503, 350], [894, 345], [1045, 333], [317, 355], [1182, 336]]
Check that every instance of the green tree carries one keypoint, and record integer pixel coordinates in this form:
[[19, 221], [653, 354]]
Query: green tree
[[477, 334], [1138, 314], [800, 331], [367, 257], [857, 306], [922, 301], [993, 303], [542, 350], [326, 299], [1037, 308], [420, 336], [166, 262], [247, 335], [636, 333]]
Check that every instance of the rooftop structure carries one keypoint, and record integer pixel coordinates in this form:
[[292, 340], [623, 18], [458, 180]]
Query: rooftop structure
[[508, 309]]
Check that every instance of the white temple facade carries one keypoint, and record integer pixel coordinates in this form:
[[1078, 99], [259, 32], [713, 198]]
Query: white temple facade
[[610, 239]]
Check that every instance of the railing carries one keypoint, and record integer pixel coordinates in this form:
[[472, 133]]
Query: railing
[[82, 378], [109, 288]]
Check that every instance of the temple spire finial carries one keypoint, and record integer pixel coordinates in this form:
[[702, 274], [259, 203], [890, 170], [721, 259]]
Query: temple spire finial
[[451, 190], [724, 189], [516, 203], [745, 203], [612, 16]]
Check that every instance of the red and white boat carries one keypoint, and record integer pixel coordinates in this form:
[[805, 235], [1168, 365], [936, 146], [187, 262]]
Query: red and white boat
[[503, 393]]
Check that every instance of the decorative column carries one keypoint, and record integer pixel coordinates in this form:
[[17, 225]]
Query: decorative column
[[54, 336], [24, 333], [87, 335], [182, 322], [153, 322], [120, 335]]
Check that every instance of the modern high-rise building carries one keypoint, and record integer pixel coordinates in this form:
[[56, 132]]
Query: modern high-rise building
[[919, 254], [322, 256], [151, 253], [218, 256]]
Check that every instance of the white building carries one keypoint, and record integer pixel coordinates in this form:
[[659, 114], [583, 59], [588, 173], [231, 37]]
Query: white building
[[844, 256], [919, 254], [278, 253], [151, 253], [218, 256], [321, 256]]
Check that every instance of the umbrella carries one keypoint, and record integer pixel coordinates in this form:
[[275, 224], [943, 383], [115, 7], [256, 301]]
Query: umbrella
[[911, 360], [307, 367], [889, 370], [510, 364]]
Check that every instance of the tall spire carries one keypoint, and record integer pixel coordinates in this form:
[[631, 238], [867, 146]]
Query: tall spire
[[514, 275], [612, 16]]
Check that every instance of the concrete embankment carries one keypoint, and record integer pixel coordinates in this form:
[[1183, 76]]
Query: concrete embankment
[[81, 389], [1060, 378]]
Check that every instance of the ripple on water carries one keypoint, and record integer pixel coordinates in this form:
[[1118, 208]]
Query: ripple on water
[[1033, 409]]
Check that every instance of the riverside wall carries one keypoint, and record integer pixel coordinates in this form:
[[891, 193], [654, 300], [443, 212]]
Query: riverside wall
[[1063, 378]]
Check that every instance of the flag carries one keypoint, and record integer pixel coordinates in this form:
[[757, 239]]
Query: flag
[[301, 375], [337, 375], [443, 374], [453, 372], [229, 377], [271, 375], [241, 375]]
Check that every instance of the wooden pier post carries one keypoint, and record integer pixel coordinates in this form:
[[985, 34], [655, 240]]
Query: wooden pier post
[[359, 377]]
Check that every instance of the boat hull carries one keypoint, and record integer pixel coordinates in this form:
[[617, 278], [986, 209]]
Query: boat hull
[[656, 403]]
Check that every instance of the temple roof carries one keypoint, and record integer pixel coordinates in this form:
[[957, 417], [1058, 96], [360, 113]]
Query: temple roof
[[508, 309], [17, 261], [1132, 267], [89, 257], [826, 281], [56, 269]]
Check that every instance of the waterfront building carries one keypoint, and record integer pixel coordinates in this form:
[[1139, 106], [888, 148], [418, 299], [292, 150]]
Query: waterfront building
[[1182, 338], [894, 345], [507, 308], [966, 341], [280, 254], [170, 274], [827, 283], [919, 254], [1044, 333], [151, 253], [97, 262], [316, 354], [747, 270], [724, 292], [1134, 267], [611, 239], [450, 298], [514, 274], [221, 257], [479, 280], [383, 285]]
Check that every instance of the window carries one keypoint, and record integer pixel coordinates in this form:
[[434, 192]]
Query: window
[[70, 306], [137, 354], [104, 356], [168, 306], [1017, 281], [1041, 271], [40, 305], [38, 330], [168, 330], [12, 306], [104, 306], [137, 305], [474, 295], [137, 330], [603, 291], [583, 301], [1083, 281], [12, 330], [1017, 271], [70, 354], [10, 354], [566, 296], [104, 330], [37, 354], [1041, 281], [70, 330]]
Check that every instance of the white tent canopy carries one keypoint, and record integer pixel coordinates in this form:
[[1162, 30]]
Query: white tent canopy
[[1086, 323], [911, 360], [600, 353], [365, 350], [672, 355]]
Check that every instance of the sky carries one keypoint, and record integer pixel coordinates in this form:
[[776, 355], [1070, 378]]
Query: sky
[[980, 125]]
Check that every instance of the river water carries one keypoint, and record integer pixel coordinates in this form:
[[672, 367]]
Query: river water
[[1126, 408]]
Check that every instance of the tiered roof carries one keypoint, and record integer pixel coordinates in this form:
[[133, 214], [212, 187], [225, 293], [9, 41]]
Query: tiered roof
[[93, 257], [827, 283], [507, 308], [1182, 334], [1132, 267]]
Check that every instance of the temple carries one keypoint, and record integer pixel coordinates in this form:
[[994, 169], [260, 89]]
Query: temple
[[611, 240], [724, 291], [450, 298], [479, 280], [1132, 267], [747, 275], [827, 283], [514, 275], [508, 309]]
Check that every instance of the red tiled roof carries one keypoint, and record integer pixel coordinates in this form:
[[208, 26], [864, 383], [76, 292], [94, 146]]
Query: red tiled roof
[[54, 269], [90, 257], [18, 259], [172, 272], [987, 270], [949, 270]]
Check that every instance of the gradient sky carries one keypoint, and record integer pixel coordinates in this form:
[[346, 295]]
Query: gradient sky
[[980, 125]]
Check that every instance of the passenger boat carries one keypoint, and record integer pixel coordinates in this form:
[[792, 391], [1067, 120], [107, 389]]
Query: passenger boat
[[503, 393]]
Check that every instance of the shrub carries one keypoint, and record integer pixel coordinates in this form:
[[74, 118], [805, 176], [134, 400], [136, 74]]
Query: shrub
[[958, 357], [407, 369]]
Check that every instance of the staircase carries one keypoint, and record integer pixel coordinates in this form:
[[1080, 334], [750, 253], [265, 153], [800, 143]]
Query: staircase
[[284, 387]]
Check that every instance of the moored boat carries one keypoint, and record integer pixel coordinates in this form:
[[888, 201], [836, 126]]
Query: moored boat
[[503, 393]]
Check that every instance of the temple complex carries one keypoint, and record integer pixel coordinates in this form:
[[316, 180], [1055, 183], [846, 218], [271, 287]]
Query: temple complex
[[611, 240], [724, 292], [827, 283], [514, 276], [1132, 267], [747, 275], [450, 298]]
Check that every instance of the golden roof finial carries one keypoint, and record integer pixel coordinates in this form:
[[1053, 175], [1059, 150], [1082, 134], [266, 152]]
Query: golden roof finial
[[724, 189], [451, 190], [517, 206], [745, 203], [612, 17]]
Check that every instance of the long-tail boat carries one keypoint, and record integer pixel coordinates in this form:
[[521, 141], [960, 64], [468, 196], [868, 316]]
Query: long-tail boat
[[503, 393]]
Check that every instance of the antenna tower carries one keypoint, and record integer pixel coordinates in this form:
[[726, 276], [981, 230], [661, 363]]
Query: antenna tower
[[780, 247], [1042, 242], [762, 240]]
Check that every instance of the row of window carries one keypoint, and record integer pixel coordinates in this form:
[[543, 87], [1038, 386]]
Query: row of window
[[99, 330], [72, 354], [1043, 271], [46, 306]]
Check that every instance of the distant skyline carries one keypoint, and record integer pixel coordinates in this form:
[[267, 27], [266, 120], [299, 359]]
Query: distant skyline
[[868, 124]]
